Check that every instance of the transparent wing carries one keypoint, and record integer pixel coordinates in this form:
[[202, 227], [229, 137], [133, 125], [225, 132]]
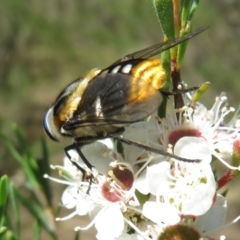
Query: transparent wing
[[159, 47]]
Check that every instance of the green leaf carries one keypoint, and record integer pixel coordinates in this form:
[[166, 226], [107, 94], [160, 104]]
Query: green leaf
[[193, 8], [164, 10], [4, 197], [182, 47], [44, 168], [120, 148], [28, 164], [166, 63], [3, 190], [3, 231], [188, 8], [11, 148], [37, 231], [185, 12], [199, 93], [37, 212], [15, 209], [10, 236], [21, 141], [163, 107], [77, 235]]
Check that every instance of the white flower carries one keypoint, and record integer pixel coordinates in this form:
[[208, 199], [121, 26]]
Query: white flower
[[109, 223], [160, 213], [197, 228], [214, 218], [189, 187], [153, 194], [211, 126], [110, 193]]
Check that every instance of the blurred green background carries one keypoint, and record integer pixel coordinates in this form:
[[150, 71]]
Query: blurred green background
[[46, 44]]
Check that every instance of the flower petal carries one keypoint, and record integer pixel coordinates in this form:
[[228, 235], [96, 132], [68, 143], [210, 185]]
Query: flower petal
[[109, 223], [215, 217], [193, 148], [160, 213]]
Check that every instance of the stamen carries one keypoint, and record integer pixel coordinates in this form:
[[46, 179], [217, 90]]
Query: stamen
[[225, 226], [143, 166], [224, 162], [67, 217], [65, 182], [113, 164], [234, 118], [134, 202]]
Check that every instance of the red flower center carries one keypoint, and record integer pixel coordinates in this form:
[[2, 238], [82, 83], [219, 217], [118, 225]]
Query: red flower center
[[175, 135], [121, 179]]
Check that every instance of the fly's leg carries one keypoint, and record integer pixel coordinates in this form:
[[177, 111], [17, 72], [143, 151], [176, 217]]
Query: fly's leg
[[76, 147]]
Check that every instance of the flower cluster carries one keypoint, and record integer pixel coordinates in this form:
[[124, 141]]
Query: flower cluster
[[137, 194]]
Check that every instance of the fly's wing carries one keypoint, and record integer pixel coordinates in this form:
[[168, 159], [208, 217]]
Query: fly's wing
[[115, 98], [159, 47]]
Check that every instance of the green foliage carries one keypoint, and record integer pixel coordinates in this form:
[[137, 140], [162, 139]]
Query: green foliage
[[164, 11], [174, 17], [30, 196]]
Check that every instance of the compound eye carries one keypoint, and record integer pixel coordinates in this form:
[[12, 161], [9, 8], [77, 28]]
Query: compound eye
[[49, 126]]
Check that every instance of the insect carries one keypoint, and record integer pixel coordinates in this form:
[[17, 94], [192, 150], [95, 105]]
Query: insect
[[102, 103]]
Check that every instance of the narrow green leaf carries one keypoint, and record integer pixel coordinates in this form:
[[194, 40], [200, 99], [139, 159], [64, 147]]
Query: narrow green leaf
[[77, 235], [10, 236], [27, 163], [185, 12], [120, 148], [4, 195], [44, 168], [11, 148], [166, 63], [199, 93], [21, 140], [193, 8], [3, 231], [165, 13], [15, 210], [182, 47], [162, 108], [164, 10], [3, 190], [37, 212], [36, 231]]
